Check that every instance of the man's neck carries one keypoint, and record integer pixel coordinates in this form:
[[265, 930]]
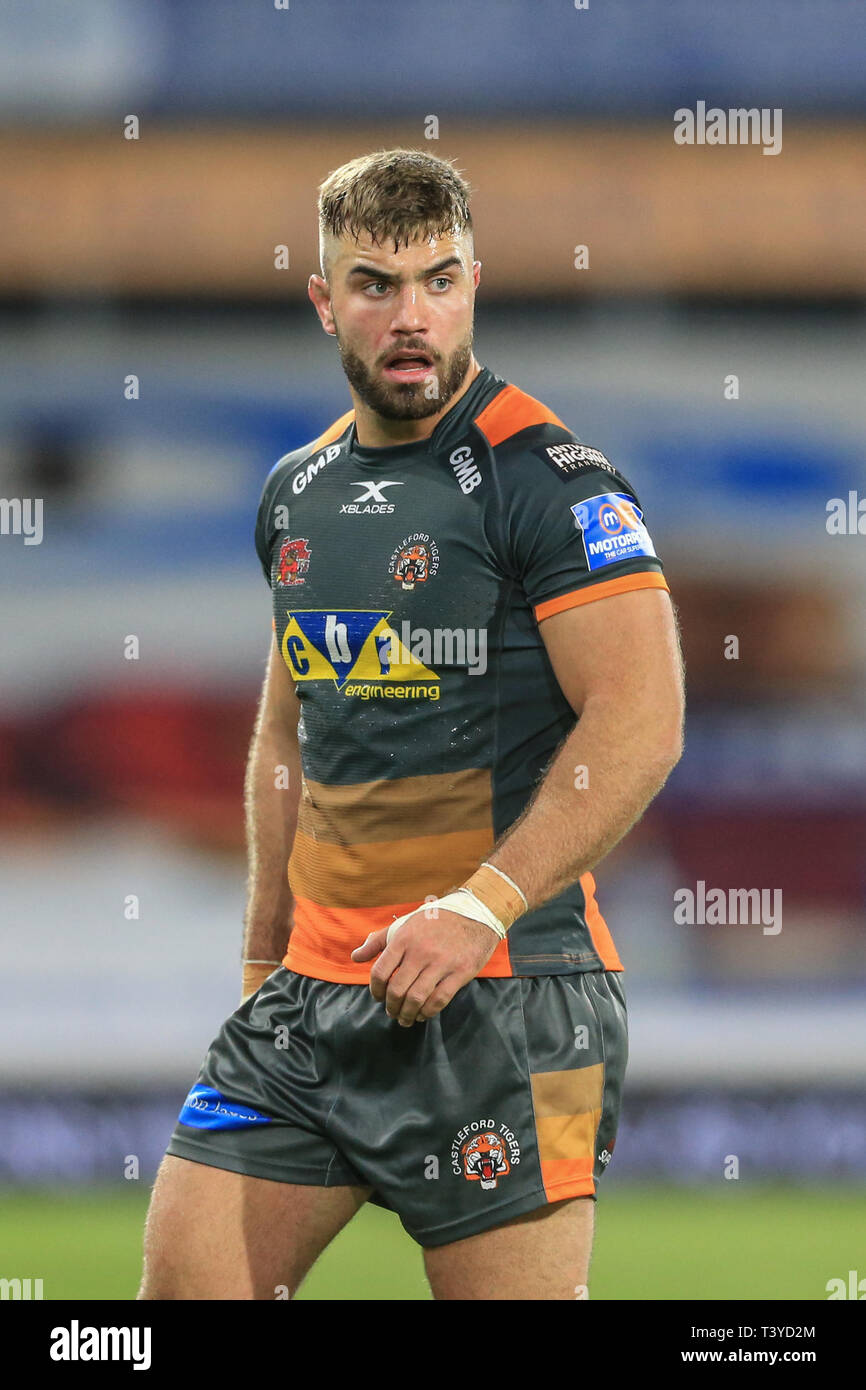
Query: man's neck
[[374, 431]]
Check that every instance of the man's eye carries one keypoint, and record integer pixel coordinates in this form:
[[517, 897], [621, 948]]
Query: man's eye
[[441, 280], [376, 285]]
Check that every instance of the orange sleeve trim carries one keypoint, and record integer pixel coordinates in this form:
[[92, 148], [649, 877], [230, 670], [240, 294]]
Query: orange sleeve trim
[[646, 579], [513, 410], [333, 431]]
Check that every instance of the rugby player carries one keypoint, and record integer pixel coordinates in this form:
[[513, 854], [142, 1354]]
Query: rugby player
[[474, 690]]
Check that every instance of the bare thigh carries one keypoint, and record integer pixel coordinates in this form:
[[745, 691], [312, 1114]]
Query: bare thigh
[[543, 1254], [211, 1234]]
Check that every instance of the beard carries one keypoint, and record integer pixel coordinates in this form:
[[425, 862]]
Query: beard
[[410, 400]]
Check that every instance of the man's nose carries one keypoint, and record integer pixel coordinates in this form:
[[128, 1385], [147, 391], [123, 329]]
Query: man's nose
[[410, 313]]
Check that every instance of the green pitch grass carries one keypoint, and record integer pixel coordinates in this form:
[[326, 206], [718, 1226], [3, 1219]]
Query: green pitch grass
[[732, 1242]]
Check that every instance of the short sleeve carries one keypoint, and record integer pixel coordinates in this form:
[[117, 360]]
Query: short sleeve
[[265, 530], [578, 533]]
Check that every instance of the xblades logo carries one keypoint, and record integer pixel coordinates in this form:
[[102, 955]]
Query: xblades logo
[[372, 500], [374, 490]]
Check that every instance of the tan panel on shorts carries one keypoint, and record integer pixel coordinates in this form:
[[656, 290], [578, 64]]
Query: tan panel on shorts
[[567, 1113], [567, 1092]]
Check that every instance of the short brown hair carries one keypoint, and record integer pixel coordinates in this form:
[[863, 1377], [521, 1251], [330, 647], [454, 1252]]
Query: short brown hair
[[399, 194]]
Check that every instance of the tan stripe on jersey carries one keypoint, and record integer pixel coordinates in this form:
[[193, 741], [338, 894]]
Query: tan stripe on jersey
[[435, 804], [385, 871]]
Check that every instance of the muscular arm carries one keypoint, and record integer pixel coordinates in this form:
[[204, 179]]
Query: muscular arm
[[618, 663], [271, 814]]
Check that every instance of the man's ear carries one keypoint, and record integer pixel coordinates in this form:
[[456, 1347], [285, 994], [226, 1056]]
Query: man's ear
[[476, 273], [320, 294]]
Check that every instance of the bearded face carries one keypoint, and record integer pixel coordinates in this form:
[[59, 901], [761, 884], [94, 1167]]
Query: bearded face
[[413, 399]]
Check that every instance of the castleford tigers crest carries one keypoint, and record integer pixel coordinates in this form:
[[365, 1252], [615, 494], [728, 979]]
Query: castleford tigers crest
[[484, 1159], [414, 560], [412, 566], [294, 561], [484, 1152]]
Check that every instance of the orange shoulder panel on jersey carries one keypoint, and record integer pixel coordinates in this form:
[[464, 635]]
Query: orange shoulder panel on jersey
[[513, 410], [644, 579], [333, 431]]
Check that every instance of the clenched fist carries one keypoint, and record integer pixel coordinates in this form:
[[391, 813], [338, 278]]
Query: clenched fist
[[425, 963]]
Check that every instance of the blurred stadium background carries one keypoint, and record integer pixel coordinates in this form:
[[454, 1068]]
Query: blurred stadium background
[[121, 779]]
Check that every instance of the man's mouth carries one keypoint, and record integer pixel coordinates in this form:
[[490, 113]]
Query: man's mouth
[[408, 366]]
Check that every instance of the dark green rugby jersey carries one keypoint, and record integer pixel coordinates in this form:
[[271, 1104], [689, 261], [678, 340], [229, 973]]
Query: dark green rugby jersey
[[408, 585]]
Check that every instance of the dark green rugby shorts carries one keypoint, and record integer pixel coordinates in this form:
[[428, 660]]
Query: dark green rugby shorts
[[506, 1101]]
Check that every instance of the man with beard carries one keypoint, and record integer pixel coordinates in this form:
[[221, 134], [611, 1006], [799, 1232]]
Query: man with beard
[[474, 690]]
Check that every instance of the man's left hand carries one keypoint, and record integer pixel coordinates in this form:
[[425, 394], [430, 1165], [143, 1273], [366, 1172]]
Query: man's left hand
[[427, 960]]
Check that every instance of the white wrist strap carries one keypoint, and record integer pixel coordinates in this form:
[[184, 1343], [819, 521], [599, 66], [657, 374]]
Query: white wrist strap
[[463, 901], [515, 886]]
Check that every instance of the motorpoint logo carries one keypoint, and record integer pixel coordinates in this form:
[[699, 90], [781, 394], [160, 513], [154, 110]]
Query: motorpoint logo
[[616, 517], [611, 528]]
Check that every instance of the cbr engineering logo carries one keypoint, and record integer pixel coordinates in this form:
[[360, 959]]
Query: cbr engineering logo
[[359, 651]]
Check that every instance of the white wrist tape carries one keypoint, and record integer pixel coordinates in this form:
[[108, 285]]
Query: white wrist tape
[[508, 880], [462, 901]]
